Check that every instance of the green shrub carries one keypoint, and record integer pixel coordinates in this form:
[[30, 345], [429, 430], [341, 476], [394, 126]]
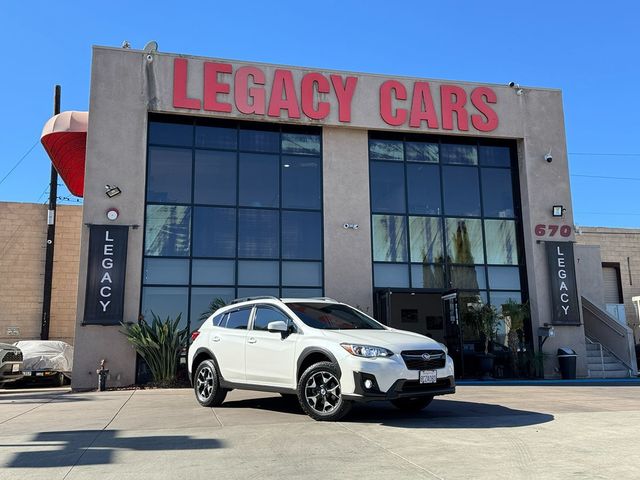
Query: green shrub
[[159, 344]]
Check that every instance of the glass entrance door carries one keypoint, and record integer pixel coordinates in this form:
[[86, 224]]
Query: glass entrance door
[[453, 331]]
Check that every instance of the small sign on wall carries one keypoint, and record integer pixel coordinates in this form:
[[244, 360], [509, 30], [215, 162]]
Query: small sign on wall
[[13, 331], [104, 301], [564, 293]]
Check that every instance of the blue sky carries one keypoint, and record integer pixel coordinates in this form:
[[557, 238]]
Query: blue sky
[[587, 49]]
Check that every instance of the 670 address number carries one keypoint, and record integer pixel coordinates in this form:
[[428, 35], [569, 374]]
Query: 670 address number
[[541, 230]]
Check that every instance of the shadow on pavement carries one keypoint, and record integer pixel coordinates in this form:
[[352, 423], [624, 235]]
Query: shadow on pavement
[[440, 414], [39, 397], [68, 448]]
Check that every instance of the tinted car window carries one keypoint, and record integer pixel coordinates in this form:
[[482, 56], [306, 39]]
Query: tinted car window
[[266, 315], [238, 319], [219, 320], [333, 316]]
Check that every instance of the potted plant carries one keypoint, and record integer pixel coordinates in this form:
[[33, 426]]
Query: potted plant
[[514, 315], [484, 319], [159, 343]]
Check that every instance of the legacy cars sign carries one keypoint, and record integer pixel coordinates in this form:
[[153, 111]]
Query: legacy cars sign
[[286, 94], [564, 294], [104, 302]]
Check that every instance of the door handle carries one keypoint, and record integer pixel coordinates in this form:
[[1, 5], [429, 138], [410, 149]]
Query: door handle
[[251, 340], [216, 338]]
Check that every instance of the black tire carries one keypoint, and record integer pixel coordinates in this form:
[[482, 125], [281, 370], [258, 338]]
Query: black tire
[[319, 393], [412, 404], [206, 385], [60, 380]]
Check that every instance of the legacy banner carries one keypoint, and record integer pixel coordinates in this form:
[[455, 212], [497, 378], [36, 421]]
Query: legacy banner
[[564, 293], [104, 303]]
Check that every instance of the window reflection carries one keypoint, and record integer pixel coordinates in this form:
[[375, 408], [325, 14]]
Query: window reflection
[[167, 230], [389, 238], [464, 240], [426, 239], [501, 242]]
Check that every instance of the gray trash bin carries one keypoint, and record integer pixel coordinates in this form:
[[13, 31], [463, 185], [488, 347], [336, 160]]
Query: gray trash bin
[[567, 361]]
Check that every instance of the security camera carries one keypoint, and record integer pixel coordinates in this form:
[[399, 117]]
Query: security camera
[[512, 84], [149, 58], [548, 158]]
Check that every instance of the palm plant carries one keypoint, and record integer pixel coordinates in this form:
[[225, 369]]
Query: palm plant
[[159, 344], [215, 304], [484, 319]]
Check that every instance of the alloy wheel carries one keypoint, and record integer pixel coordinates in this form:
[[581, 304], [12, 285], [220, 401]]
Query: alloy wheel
[[322, 392], [204, 383]]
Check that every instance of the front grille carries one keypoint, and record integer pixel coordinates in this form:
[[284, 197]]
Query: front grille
[[414, 361], [414, 386], [12, 357]]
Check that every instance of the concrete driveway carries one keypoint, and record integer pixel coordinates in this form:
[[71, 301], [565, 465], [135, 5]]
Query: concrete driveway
[[481, 432]]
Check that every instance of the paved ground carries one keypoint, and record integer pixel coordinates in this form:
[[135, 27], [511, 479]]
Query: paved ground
[[481, 432]]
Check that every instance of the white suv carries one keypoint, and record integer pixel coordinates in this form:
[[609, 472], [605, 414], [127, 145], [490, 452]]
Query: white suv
[[325, 353]]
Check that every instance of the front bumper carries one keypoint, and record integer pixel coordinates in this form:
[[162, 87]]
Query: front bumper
[[391, 378], [401, 388]]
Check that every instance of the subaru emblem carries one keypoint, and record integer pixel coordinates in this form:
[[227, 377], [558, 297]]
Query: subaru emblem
[[426, 356]]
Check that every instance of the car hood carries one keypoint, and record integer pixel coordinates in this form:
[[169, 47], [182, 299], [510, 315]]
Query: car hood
[[394, 340], [7, 346]]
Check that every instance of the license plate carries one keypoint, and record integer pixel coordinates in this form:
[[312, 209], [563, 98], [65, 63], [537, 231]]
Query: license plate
[[15, 367], [26, 374], [428, 376]]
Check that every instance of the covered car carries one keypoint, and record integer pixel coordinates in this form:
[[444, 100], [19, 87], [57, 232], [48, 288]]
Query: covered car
[[50, 360]]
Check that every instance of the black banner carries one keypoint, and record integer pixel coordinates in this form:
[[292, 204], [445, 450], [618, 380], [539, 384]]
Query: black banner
[[104, 301], [564, 293]]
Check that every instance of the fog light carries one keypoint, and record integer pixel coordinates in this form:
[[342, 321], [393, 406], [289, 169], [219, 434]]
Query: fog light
[[368, 384]]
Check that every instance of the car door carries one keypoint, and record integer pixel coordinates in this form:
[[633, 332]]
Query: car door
[[228, 342], [270, 356]]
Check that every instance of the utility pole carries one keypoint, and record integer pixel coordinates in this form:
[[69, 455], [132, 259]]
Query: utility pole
[[51, 235]]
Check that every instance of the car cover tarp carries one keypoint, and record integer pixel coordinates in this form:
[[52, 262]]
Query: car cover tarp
[[46, 355]]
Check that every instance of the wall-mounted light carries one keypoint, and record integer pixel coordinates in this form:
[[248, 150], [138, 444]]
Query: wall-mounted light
[[558, 211], [113, 214], [112, 191], [353, 226]]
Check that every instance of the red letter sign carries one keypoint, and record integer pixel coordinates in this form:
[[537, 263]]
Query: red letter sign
[[344, 94], [480, 97], [243, 93], [422, 96], [451, 104], [212, 87], [386, 111], [321, 84], [283, 83], [180, 99]]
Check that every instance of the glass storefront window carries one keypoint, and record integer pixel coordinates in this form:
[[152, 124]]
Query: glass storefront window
[[215, 177], [214, 232], [301, 177], [169, 175], [497, 193], [421, 152], [168, 230], [427, 276], [391, 275], [387, 187], [423, 185], [504, 278], [389, 238], [233, 209], [386, 150], [259, 180], [258, 235], [464, 240], [459, 154], [461, 191], [425, 234], [495, 156], [502, 247], [467, 277]]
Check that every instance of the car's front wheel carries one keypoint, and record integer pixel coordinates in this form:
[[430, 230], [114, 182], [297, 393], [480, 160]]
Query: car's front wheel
[[206, 384], [412, 404], [320, 394]]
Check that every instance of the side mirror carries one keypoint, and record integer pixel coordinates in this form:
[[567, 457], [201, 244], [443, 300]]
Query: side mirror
[[278, 326]]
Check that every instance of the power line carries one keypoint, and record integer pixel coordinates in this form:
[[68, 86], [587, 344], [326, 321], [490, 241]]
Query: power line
[[603, 154], [603, 176], [19, 162]]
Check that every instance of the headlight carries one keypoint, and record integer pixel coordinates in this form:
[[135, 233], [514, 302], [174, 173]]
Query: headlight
[[444, 347], [367, 351]]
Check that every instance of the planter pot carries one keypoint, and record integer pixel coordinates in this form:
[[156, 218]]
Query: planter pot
[[486, 366]]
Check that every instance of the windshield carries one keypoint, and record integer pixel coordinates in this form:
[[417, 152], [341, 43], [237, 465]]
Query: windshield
[[333, 316]]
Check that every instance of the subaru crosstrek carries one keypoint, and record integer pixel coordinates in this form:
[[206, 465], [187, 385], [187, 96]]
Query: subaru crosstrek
[[322, 352]]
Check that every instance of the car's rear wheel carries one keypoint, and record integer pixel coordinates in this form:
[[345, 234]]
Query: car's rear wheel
[[412, 404], [320, 394], [206, 385], [60, 379]]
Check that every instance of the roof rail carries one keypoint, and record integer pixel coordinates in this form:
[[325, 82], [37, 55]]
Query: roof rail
[[246, 299], [328, 299]]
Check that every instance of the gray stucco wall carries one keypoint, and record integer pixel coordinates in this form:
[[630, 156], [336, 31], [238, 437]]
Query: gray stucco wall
[[125, 86]]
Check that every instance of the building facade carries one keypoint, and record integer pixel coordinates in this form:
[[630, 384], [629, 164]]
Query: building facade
[[209, 178]]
